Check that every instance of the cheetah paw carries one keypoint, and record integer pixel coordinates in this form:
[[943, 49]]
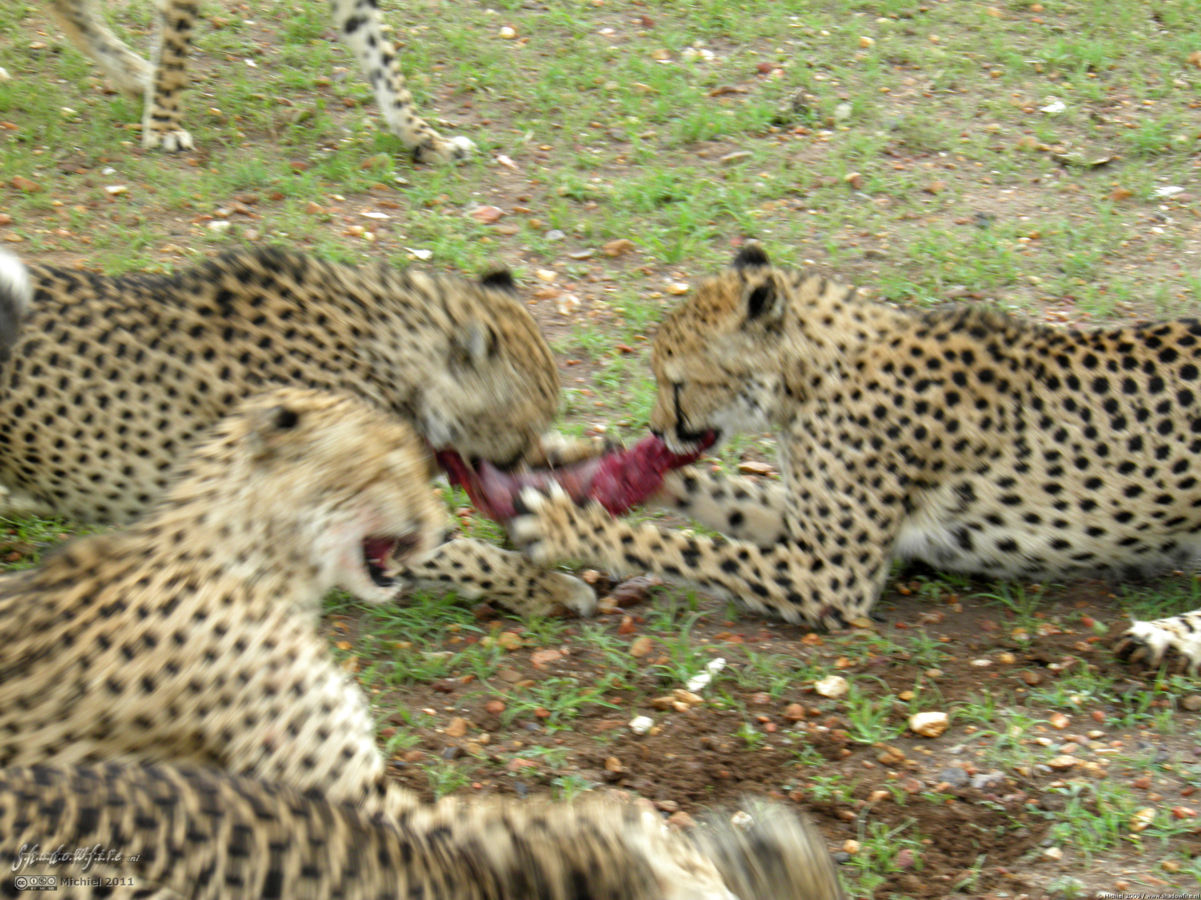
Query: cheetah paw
[[171, 140], [568, 592], [438, 149], [1167, 642], [548, 525]]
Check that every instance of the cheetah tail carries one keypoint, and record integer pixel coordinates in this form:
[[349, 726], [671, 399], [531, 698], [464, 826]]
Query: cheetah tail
[[16, 297], [769, 853]]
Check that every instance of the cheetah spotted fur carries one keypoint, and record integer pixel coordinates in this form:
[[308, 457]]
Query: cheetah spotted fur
[[111, 377], [966, 438]]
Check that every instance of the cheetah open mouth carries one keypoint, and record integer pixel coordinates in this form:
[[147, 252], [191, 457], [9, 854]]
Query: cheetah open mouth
[[618, 480], [383, 556]]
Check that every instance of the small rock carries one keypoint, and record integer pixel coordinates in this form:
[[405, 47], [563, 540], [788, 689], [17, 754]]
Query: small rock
[[1062, 763], [555, 234], [1192, 702], [508, 640], [954, 776], [1183, 812], [1053, 853], [679, 695], [678, 288], [1142, 819], [735, 157], [517, 764], [890, 755], [540, 659], [613, 764], [1055, 107], [641, 646], [833, 687], [115, 190], [1169, 190], [794, 712], [1059, 721], [985, 780], [865, 42], [851, 846], [21, 183], [507, 32], [1032, 678], [494, 707], [929, 724], [487, 214], [641, 724], [751, 467], [681, 819], [618, 247], [854, 179], [842, 112], [220, 225], [457, 727]]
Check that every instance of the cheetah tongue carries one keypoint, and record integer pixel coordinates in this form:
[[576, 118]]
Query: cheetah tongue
[[618, 480]]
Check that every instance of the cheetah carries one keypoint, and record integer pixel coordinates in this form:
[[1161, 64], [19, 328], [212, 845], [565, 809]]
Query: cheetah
[[967, 438], [192, 832], [162, 80], [190, 639], [192, 633], [111, 377]]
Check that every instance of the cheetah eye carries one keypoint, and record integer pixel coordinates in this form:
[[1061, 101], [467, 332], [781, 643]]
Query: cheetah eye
[[285, 419]]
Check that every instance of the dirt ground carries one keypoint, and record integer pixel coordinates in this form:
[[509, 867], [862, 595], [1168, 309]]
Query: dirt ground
[[984, 830]]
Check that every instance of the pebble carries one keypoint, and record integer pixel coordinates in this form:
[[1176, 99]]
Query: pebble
[[641, 646], [641, 724], [954, 776], [833, 687], [929, 724], [457, 727], [1192, 702]]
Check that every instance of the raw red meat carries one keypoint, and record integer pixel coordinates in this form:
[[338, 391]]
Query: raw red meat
[[618, 480]]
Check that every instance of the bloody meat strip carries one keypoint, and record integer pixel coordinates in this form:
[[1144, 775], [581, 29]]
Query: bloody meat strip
[[618, 480]]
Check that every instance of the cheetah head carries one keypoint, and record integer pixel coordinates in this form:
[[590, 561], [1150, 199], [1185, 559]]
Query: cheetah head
[[497, 388], [320, 479], [718, 357]]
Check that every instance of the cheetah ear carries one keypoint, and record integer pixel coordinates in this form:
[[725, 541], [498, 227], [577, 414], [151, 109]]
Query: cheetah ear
[[751, 256], [499, 278], [477, 342], [269, 423], [764, 300]]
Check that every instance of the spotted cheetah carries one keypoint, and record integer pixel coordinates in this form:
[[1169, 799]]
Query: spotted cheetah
[[163, 79], [111, 377], [970, 439], [192, 634], [191, 832]]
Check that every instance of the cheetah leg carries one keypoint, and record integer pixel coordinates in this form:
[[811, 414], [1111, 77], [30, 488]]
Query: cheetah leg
[[359, 24], [818, 582], [1173, 642], [161, 117], [478, 570], [298, 719], [747, 509], [87, 31]]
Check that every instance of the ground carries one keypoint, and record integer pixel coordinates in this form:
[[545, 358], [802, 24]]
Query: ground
[[1042, 156]]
